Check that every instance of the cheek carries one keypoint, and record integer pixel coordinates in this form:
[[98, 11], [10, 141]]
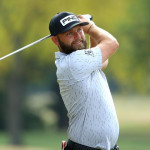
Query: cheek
[[69, 40], [66, 40]]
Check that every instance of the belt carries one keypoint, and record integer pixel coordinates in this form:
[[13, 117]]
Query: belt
[[75, 146]]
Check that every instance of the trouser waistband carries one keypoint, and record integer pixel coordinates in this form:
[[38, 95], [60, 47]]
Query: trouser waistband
[[75, 146]]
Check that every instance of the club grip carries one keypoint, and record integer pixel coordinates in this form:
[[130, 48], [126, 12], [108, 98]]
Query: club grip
[[88, 16]]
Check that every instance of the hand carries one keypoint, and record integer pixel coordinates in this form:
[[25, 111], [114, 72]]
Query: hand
[[83, 19]]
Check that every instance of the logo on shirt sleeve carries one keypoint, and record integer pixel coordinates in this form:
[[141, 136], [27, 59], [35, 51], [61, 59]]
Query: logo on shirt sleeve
[[89, 52]]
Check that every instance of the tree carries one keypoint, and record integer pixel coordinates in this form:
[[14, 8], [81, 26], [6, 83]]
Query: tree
[[130, 68], [22, 22]]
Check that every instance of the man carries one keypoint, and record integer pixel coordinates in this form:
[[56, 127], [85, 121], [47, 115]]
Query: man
[[93, 123]]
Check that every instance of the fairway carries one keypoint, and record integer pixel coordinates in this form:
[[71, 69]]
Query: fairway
[[22, 148], [51, 140], [133, 114]]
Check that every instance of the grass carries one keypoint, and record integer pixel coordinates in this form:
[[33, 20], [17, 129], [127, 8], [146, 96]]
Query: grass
[[134, 119], [41, 139], [51, 140]]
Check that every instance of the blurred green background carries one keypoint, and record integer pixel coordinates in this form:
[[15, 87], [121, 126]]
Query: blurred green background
[[32, 114]]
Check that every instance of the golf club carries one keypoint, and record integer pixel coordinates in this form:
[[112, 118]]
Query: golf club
[[87, 16], [25, 47]]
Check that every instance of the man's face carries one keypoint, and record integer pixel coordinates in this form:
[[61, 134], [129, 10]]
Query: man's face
[[72, 40]]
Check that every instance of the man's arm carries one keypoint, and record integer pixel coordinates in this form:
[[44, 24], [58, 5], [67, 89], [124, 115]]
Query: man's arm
[[93, 43], [105, 41]]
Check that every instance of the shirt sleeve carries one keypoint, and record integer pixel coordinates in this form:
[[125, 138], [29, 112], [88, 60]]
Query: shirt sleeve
[[83, 62]]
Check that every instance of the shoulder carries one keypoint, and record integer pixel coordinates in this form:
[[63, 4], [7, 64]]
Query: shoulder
[[86, 52]]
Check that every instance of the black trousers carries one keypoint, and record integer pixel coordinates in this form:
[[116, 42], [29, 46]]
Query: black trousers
[[75, 146]]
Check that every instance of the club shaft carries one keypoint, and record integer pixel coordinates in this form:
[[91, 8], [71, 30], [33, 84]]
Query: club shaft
[[31, 44]]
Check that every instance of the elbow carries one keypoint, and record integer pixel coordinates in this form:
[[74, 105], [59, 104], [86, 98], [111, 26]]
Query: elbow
[[115, 44]]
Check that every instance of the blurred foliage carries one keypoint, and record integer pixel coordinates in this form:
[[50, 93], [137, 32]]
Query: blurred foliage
[[131, 65], [23, 22]]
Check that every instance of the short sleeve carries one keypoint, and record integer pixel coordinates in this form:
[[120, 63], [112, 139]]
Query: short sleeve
[[83, 62]]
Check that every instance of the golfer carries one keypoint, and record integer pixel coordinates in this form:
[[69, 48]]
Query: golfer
[[93, 123]]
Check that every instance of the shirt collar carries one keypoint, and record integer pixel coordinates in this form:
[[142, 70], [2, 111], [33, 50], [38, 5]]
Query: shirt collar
[[59, 54]]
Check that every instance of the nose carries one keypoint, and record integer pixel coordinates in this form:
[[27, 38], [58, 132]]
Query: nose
[[77, 35]]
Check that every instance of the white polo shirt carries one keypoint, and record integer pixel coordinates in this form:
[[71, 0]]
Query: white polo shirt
[[83, 86]]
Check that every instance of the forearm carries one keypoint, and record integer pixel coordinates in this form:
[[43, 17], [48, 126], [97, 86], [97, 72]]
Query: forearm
[[107, 43], [104, 40], [104, 65], [99, 35], [93, 43]]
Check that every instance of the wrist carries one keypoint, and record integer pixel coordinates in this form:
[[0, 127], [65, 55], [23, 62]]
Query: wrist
[[92, 22], [89, 28]]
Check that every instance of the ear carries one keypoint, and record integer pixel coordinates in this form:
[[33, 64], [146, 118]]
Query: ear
[[55, 40]]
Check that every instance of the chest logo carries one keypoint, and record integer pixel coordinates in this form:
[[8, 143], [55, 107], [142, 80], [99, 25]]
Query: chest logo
[[89, 52]]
